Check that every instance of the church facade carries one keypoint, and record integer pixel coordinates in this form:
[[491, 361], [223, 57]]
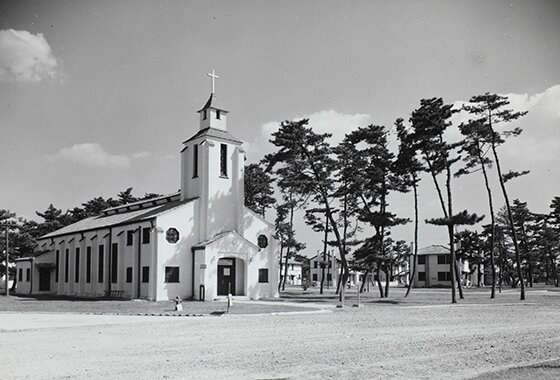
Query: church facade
[[199, 243]]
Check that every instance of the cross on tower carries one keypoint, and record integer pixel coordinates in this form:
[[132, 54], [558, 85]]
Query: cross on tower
[[213, 76]]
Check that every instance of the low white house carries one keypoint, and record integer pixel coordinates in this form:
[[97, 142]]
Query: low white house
[[294, 274], [332, 268], [198, 243]]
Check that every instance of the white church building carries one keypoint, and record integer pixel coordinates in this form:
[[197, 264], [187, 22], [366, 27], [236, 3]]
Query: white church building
[[198, 243]]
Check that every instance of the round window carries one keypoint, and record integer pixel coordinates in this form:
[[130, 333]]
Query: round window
[[262, 241], [172, 235]]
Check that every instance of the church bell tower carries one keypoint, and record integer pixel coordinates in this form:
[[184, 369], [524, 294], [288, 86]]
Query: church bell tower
[[212, 169]]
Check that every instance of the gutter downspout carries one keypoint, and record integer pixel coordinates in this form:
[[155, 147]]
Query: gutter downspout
[[153, 280], [193, 250], [139, 266], [31, 279], [110, 260]]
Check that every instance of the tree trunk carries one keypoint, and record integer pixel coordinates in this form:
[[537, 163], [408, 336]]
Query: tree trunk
[[525, 246], [387, 277], [510, 219], [365, 280], [554, 270], [285, 270], [415, 257], [501, 254], [280, 262], [492, 223], [451, 237], [459, 277], [479, 276], [382, 208], [324, 253], [379, 284], [339, 281]]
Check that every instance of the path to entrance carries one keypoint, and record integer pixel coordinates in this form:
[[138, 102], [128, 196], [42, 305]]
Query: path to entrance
[[32, 321]]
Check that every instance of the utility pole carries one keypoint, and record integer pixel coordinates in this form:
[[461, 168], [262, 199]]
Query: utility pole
[[7, 260]]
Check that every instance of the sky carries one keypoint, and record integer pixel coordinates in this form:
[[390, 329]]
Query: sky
[[98, 96]]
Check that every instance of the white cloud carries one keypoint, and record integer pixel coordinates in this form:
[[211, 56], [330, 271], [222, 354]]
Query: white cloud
[[25, 57], [93, 155], [327, 121]]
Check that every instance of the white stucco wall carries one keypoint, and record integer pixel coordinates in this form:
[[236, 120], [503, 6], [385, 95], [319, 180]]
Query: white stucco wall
[[223, 191], [23, 285], [176, 254], [254, 226]]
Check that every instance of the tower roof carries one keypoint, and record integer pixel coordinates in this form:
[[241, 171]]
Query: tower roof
[[212, 103], [215, 133]]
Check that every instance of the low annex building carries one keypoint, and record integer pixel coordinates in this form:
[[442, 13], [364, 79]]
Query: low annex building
[[198, 243]]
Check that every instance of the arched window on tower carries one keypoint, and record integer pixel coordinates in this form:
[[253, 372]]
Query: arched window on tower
[[195, 160], [223, 160]]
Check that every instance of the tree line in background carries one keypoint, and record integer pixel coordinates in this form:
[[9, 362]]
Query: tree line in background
[[344, 189], [24, 232]]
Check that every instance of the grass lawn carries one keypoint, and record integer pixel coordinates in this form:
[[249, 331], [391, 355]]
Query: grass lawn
[[541, 294], [288, 301], [136, 307]]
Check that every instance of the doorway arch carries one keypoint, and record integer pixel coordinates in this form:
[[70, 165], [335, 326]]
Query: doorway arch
[[231, 276]]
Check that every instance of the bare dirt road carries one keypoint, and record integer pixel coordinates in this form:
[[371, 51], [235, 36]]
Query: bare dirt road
[[376, 341]]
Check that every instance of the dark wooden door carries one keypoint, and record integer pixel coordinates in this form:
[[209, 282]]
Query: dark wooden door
[[44, 279], [226, 277]]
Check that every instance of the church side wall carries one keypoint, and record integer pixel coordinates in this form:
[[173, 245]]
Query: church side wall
[[74, 250], [23, 284], [177, 254], [131, 260], [253, 227]]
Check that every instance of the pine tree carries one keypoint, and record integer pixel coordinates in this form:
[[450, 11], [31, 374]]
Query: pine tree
[[477, 137], [409, 167], [309, 157], [258, 189], [429, 123], [491, 112], [373, 179]]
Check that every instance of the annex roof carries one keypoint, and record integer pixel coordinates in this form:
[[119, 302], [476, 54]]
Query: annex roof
[[349, 257], [434, 250], [215, 133], [119, 216]]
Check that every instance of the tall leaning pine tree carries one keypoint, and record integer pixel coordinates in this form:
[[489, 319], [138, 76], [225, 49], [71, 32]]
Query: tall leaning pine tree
[[409, 167], [491, 111], [429, 123], [477, 137]]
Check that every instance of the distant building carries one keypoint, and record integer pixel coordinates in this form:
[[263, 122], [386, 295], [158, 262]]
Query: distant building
[[295, 272], [333, 267], [433, 265], [200, 242]]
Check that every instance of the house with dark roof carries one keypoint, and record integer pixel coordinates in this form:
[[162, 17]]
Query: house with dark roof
[[199, 243]]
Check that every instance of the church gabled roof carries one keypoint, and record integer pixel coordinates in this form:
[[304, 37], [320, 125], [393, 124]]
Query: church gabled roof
[[223, 235], [116, 219], [215, 133], [212, 103]]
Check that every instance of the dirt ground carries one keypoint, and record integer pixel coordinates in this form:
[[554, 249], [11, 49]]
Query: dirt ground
[[379, 340]]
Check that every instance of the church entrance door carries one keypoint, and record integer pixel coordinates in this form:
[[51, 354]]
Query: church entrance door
[[44, 279], [226, 277]]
